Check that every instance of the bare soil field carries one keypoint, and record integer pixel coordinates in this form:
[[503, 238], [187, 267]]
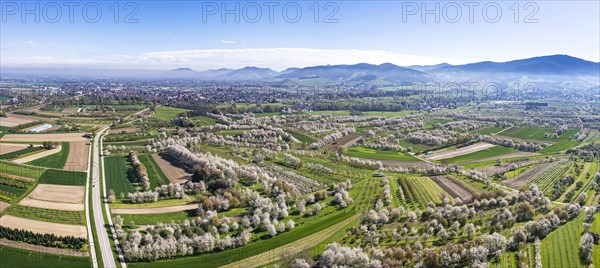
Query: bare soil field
[[42, 153], [522, 179], [58, 193], [507, 156], [121, 130], [175, 174], [453, 189], [11, 121], [3, 206], [57, 251], [460, 151], [154, 210], [59, 137], [77, 160], [6, 148], [42, 227], [50, 205]]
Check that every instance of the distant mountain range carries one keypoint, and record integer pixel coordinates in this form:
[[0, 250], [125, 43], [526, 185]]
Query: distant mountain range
[[557, 67]]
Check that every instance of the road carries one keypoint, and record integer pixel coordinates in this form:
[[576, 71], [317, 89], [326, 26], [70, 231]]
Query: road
[[103, 241]]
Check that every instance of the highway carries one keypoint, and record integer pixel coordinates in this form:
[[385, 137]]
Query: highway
[[108, 259]]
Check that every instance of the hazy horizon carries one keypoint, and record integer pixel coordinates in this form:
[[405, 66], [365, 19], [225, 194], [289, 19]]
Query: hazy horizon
[[203, 36]]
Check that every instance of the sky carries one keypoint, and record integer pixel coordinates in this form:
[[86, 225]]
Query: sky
[[162, 35]]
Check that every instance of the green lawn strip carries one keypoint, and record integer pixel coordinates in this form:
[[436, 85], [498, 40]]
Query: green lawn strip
[[48, 215], [229, 256], [63, 177], [363, 152], [20, 153], [157, 204], [596, 229], [155, 174], [56, 160], [128, 143], [116, 172], [16, 257], [152, 219], [488, 130]]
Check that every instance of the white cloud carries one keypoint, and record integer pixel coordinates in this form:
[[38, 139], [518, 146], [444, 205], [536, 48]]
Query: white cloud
[[202, 59], [227, 41]]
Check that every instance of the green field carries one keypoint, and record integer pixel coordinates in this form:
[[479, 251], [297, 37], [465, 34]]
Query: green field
[[536, 133], [9, 193], [63, 177], [430, 123], [379, 154], [418, 191], [301, 137], [48, 215], [56, 160], [116, 174], [3, 130], [167, 113], [21, 170], [20, 153], [127, 143], [559, 146], [489, 152], [388, 114], [143, 219], [15, 257], [488, 130], [221, 258], [560, 248], [155, 174], [334, 113]]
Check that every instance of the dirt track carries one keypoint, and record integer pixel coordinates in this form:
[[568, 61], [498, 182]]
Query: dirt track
[[460, 151], [77, 160], [453, 189], [154, 210], [6, 148], [522, 179], [42, 227], [39, 155], [58, 193], [58, 137], [175, 174]]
